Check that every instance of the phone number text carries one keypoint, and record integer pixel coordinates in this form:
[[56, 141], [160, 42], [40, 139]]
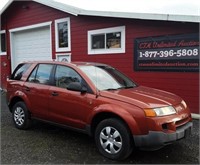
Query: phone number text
[[169, 53]]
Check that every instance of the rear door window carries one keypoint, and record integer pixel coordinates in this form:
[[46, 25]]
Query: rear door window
[[19, 71], [41, 74]]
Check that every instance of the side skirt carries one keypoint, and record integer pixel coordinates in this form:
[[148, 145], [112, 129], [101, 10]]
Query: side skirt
[[87, 129]]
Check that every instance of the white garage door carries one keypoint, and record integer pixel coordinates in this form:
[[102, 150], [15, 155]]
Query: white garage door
[[32, 44]]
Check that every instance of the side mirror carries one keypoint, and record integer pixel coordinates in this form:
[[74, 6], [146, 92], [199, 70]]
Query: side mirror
[[76, 86]]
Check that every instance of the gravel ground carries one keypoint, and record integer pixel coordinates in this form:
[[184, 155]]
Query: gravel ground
[[46, 144]]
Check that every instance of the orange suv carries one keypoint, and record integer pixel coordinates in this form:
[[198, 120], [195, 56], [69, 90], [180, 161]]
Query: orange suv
[[100, 101]]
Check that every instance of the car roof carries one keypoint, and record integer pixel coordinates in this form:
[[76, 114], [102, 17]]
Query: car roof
[[78, 63], [89, 64]]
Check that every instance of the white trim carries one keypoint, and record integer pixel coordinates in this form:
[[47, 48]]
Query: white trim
[[3, 53], [50, 37], [68, 55], [31, 26], [105, 50], [143, 16], [195, 116], [11, 51], [65, 49], [12, 31]]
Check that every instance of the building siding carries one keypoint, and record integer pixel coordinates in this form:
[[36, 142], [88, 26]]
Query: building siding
[[184, 84]]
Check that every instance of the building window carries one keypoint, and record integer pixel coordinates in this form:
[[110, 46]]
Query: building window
[[3, 42], [66, 57], [63, 35], [106, 41]]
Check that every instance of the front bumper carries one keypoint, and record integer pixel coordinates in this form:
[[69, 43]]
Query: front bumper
[[156, 140]]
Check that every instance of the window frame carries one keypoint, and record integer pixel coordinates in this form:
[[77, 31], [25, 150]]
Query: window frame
[[61, 57], [58, 48], [84, 82], [36, 68], [3, 32], [20, 71], [67, 76], [106, 31]]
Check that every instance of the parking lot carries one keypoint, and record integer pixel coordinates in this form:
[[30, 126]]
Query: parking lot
[[46, 144]]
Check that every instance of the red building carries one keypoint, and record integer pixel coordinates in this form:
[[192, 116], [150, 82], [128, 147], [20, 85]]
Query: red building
[[160, 51]]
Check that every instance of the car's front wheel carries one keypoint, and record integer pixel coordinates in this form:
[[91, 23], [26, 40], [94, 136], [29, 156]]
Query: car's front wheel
[[20, 115], [113, 139]]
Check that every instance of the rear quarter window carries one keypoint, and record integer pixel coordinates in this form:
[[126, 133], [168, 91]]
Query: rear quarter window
[[19, 71]]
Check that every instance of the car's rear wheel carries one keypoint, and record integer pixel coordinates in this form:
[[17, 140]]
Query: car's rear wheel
[[21, 116], [113, 139]]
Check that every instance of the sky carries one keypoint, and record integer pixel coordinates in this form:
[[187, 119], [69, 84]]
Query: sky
[[190, 7]]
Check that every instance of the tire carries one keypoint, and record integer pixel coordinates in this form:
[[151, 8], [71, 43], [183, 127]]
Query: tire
[[21, 116], [113, 139]]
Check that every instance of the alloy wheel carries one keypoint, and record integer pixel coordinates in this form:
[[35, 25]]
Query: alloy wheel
[[110, 140], [19, 116]]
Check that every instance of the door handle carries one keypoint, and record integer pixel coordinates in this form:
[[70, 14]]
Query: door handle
[[27, 89], [54, 94]]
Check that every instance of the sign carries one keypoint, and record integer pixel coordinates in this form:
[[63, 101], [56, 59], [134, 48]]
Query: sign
[[167, 53]]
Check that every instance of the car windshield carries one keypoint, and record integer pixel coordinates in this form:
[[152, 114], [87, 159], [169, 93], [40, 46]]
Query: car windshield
[[107, 78]]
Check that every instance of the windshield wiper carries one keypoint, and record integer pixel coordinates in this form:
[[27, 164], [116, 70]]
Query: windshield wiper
[[123, 87], [129, 87], [109, 89]]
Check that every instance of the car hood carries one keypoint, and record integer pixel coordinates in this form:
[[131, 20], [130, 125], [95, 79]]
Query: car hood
[[143, 97]]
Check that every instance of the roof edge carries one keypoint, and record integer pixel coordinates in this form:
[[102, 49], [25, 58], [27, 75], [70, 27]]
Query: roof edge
[[60, 6], [50, 3], [144, 16], [129, 15], [6, 6]]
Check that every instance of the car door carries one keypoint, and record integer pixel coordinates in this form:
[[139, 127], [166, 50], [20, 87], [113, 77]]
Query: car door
[[66, 106], [37, 90]]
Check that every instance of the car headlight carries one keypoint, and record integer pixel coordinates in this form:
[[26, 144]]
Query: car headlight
[[163, 111]]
